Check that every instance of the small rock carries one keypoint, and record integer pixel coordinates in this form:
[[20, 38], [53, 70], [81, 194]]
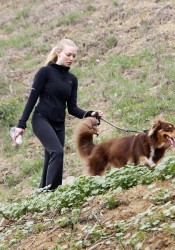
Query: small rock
[[69, 180]]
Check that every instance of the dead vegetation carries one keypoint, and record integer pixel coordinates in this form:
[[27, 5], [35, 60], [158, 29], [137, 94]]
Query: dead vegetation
[[100, 28]]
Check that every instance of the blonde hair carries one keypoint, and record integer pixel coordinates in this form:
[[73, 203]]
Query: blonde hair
[[52, 57]]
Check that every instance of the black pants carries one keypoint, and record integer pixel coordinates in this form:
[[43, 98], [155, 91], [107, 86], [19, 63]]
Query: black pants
[[52, 138]]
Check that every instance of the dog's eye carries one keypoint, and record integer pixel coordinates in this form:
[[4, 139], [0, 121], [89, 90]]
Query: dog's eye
[[168, 129]]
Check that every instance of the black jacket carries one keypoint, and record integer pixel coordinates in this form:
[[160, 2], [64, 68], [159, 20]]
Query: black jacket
[[56, 89]]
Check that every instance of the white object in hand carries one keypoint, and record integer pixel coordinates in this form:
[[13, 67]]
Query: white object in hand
[[12, 134]]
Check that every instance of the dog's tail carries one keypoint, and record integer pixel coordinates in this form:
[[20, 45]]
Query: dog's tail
[[84, 136]]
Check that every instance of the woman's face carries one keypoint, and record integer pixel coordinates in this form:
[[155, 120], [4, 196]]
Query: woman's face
[[66, 56]]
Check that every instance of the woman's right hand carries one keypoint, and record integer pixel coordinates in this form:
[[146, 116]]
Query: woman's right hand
[[18, 131]]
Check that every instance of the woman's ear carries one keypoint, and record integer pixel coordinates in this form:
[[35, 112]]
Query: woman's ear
[[57, 52]]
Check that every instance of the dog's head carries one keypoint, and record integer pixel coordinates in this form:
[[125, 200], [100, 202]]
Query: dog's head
[[162, 134]]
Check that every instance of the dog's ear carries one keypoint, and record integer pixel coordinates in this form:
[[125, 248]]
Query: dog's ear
[[156, 126], [156, 123]]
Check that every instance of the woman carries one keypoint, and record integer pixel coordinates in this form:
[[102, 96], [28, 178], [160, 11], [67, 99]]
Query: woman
[[56, 89]]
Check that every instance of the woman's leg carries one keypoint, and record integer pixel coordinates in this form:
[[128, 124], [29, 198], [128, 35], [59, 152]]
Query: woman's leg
[[45, 173], [52, 172], [45, 167], [49, 138]]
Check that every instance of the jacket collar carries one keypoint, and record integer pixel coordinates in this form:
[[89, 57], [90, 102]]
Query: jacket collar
[[59, 67]]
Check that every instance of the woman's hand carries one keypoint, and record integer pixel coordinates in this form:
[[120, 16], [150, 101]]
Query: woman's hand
[[18, 131], [98, 113]]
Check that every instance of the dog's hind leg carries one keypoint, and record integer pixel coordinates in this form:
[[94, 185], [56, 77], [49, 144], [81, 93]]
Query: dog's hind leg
[[97, 166]]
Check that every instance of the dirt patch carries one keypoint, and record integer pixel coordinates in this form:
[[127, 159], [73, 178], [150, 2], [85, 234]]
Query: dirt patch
[[95, 214], [136, 25]]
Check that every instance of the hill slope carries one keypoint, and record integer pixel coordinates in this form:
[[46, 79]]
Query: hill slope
[[125, 67]]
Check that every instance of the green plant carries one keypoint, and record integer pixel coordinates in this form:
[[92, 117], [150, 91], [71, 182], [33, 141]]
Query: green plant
[[8, 111], [115, 2], [8, 28], [23, 13], [131, 86], [136, 241], [4, 84], [75, 215], [111, 202], [111, 41], [67, 20], [159, 195], [63, 221], [11, 180], [30, 167], [169, 228], [39, 227], [73, 195]]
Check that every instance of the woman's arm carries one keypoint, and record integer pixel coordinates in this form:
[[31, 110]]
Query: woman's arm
[[72, 107], [37, 86], [74, 110]]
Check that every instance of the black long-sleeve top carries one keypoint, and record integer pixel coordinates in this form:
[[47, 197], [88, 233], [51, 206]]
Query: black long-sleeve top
[[56, 89]]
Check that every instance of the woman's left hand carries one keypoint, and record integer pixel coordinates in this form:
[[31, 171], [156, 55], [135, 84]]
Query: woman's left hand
[[100, 113]]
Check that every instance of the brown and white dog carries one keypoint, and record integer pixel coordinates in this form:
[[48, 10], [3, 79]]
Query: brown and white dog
[[142, 148]]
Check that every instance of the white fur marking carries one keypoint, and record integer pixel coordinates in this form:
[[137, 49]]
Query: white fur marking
[[150, 159]]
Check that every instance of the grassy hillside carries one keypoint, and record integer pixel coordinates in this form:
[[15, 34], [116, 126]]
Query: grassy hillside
[[125, 67]]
